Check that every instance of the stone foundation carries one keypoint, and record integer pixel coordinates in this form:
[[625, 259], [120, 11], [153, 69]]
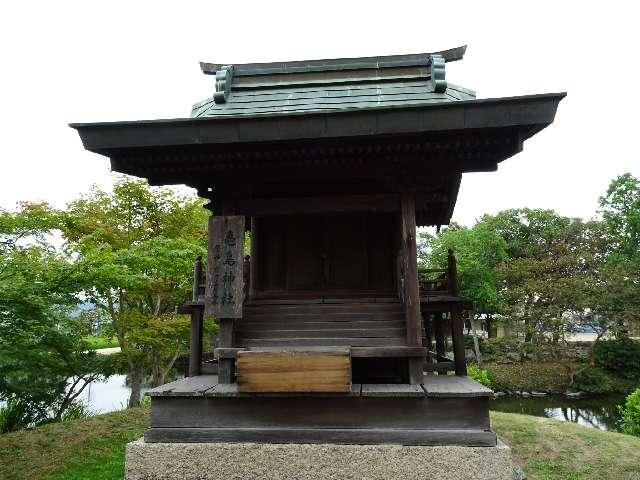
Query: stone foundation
[[252, 461]]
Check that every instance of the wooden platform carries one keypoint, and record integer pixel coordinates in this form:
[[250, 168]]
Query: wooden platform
[[445, 410]]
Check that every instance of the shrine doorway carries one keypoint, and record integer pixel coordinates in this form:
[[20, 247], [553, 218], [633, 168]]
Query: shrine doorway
[[327, 254]]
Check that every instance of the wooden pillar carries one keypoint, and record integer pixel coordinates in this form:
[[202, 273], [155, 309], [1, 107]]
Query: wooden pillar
[[438, 331], [428, 328], [226, 366], [197, 279], [253, 262], [197, 315], [457, 338], [411, 292], [195, 344]]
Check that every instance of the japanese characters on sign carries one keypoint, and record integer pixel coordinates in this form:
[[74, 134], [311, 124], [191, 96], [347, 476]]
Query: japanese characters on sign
[[224, 288]]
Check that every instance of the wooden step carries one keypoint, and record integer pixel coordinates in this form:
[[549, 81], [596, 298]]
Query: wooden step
[[341, 317], [322, 341], [336, 333], [324, 305], [337, 308], [329, 324], [356, 352]]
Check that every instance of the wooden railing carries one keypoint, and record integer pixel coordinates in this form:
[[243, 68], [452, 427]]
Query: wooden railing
[[443, 281], [442, 318]]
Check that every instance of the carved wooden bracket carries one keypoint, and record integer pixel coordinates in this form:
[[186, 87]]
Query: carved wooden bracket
[[437, 67], [224, 76]]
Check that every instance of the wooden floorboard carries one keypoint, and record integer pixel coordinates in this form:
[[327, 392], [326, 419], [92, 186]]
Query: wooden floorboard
[[433, 386], [189, 386], [391, 390], [454, 386]]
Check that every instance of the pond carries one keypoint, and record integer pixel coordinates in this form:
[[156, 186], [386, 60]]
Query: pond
[[109, 395], [596, 412]]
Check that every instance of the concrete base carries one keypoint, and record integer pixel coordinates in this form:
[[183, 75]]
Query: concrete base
[[252, 461]]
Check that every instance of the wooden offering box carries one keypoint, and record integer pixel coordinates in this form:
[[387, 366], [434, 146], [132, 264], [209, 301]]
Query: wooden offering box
[[291, 370]]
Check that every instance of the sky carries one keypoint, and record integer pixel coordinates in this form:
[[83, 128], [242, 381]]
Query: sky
[[82, 61]]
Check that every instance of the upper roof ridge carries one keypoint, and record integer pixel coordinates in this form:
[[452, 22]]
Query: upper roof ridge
[[335, 64]]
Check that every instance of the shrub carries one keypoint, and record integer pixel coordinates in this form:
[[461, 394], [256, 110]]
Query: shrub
[[499, 346], [621, 356], [630, 422], [75, 412], [15, 415], [468, 342], [479, 375], [592, 380]]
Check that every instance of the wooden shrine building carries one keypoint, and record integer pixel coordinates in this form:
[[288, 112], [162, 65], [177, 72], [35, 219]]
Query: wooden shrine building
[[329, 332]]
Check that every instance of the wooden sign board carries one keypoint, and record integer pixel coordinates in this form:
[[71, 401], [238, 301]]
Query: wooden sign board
[[294, 371], [224, 290]]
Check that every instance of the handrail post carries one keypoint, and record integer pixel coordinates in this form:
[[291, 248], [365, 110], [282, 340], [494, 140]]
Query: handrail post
[[452, 274]]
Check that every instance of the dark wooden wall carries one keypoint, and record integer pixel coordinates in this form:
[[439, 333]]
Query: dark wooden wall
[[339, 251]]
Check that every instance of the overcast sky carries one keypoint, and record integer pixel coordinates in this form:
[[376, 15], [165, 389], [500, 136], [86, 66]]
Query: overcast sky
[[83, 61]]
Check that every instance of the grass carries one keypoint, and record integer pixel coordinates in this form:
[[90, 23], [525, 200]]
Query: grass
[[83, 449], [94, 449], [97, 343], [553, 450]]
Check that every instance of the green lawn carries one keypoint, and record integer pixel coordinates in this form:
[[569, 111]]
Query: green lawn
[[97, 343], [94, 449]]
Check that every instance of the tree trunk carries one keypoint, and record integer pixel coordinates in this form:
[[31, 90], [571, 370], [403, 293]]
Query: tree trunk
[[491, 329], [158, 377], [135, 377], [158, 373]]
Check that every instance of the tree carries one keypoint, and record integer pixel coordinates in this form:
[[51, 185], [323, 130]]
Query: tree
[[551, 275], [137, 247], [479, 252], [620, 210], [45, 363]]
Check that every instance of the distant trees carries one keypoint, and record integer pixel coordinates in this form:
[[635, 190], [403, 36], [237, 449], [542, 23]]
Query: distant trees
[[620, 210], [546, 273]]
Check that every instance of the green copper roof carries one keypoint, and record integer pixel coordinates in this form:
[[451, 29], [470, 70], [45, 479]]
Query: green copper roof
[[329, 85]]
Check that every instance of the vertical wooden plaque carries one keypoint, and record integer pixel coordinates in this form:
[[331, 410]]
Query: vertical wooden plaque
[[224, 293]]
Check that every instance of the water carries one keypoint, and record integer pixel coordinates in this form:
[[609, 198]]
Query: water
[[107, 396], [596, 412]]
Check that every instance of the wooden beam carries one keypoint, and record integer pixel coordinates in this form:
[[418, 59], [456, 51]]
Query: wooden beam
[[319, 204]]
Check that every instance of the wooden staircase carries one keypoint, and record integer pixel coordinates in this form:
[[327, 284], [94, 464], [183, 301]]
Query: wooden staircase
[[371, 328]]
